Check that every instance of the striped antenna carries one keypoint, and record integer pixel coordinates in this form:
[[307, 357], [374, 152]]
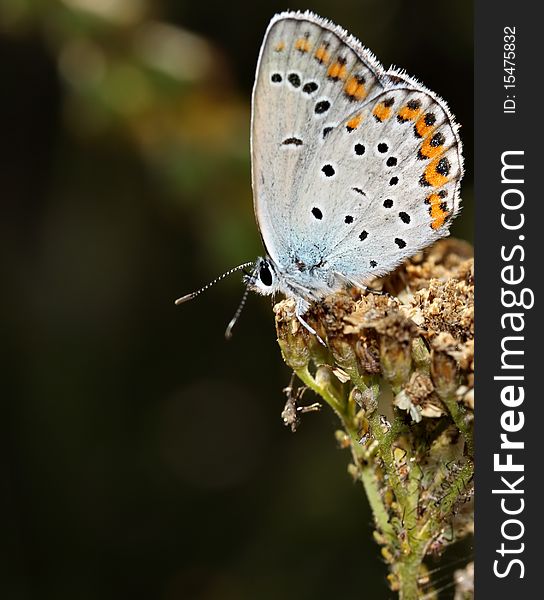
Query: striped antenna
[[192, 295], [249, 283]]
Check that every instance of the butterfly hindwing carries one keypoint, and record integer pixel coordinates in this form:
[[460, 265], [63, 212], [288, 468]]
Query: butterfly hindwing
[[384, 185]]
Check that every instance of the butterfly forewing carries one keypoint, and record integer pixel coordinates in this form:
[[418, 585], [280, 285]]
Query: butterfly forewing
[[308, 79]]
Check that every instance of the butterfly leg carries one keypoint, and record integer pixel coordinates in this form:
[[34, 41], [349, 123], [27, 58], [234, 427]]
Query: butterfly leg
[[365, 288], [300, 309], [376, 292]]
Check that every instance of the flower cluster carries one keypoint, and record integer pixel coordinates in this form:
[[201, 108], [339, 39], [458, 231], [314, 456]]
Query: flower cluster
[[398, 369]]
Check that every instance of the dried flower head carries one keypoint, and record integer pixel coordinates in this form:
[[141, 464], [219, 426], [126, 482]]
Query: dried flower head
[[398, 369]]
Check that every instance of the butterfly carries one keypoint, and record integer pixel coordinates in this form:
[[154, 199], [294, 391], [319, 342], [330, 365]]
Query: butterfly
[[354, 167]]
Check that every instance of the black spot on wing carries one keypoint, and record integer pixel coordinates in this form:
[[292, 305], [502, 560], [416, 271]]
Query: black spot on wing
[[294, 80], [328, 170], [322, 106], [292, 141], [310, 87], [359, 149]]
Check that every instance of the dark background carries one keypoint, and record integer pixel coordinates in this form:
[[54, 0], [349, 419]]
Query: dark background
[[142, 455]]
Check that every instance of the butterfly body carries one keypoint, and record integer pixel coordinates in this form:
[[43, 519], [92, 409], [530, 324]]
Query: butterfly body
[[309, 278], [354, 168]]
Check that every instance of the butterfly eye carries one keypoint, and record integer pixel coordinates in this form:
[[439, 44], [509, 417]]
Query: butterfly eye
[[265, 274]]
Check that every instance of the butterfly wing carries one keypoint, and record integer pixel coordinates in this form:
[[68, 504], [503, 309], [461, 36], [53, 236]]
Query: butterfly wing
[[384, 189], [354, 168], [308, 78]]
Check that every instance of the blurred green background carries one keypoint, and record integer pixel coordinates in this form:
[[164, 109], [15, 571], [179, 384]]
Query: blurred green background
[[142, 455]]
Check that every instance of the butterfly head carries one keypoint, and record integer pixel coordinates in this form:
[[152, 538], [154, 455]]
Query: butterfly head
[[264, 278]]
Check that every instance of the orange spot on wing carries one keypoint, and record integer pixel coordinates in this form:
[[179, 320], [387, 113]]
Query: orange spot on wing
[[302, 45], [337, 70], [409, 114], [382, 112], [429, 151], [279, 46], [422, 128], [432, 176], [355, 88], [438, 211], [354, 122], [322, 55]]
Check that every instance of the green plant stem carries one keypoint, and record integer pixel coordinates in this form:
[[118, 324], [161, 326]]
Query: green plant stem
[[305, 376], [368, 479], [458, 488], [366, 472], [410, 555], [459, 416], [385, 440], [408, 574], [405, 536], [385, 451]]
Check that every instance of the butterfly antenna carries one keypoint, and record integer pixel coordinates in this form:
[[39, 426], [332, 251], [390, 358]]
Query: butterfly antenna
[[192, 295], [250, 282]]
